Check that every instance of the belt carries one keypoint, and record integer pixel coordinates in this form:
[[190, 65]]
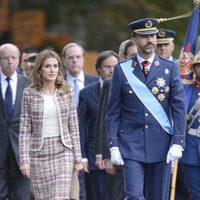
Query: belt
[[194, 132]]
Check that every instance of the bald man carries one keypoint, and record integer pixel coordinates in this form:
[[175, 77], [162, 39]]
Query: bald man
[[13, 185]]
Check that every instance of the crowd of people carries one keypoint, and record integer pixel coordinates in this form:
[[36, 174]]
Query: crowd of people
[[119, 132]]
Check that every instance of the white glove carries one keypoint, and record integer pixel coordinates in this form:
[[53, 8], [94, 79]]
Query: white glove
[[174, 153], [116, 157]]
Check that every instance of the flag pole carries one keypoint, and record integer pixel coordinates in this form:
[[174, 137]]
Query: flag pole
[[173, 180]]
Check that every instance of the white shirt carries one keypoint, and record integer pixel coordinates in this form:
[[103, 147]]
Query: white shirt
[[80, 79], [101, 82], [51, 126], [140, 60], [13, 84]]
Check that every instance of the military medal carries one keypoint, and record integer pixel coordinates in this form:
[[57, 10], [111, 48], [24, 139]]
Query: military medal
[[161, 89], [160, 82], [161, 97], [154, 90]]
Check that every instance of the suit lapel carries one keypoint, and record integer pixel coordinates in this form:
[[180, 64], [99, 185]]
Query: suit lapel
[[137, 70], [2, 105], [18, 99], [96, 92]]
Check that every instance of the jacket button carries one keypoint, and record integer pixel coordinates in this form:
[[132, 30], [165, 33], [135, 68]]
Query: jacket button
[[146, 114], [146, 126]]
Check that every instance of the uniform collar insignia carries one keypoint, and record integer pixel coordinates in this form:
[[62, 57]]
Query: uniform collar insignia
[[156, 63], [134, 63]]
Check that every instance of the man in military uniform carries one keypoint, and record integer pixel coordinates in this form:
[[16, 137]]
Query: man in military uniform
[[191, 155], [165, 49], [146, 96], [165, 43]]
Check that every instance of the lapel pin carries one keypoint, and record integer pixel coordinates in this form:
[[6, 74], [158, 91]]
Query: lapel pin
[[166, 71]]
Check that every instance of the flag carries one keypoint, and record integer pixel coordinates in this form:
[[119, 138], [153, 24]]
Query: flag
[[189, 47]]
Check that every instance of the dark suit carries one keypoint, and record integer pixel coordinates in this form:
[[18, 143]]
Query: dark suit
[[85, 186], [142, 141], [12, 183], [89, 79], [115, 183], [87, 113], [101, 141]]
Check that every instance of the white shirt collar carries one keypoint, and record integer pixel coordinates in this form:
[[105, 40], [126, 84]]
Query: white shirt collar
[[170, 58], [140, 60], [101, 82], [13, 77], [80, 77], [13, 84]]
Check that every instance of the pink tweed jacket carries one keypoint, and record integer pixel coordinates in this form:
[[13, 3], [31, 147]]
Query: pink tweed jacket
[[31, 119]]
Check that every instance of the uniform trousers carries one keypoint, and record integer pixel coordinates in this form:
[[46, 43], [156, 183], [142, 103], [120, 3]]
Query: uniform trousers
[[182, 190], [157, 180], [192, 175]]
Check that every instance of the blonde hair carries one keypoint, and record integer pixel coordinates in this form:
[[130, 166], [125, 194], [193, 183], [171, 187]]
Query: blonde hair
[[36, 76]]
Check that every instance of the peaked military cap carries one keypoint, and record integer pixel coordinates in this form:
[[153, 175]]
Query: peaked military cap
[[196, 59], [165, 36], [144, 26]]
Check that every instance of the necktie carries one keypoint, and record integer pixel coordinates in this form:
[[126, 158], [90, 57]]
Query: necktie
[[76, 91], [144, 69], [9, 99]]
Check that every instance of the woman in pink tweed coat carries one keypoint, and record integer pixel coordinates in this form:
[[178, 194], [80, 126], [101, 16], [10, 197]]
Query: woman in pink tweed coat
[[49, 142]]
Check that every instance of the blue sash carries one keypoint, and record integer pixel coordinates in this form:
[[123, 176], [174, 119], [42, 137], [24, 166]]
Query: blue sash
[[146, 97]]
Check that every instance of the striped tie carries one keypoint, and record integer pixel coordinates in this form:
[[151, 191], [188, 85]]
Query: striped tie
[[144, 69]]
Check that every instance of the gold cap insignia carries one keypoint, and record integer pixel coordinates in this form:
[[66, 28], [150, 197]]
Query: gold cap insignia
[[161, 34], [148, 24]]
